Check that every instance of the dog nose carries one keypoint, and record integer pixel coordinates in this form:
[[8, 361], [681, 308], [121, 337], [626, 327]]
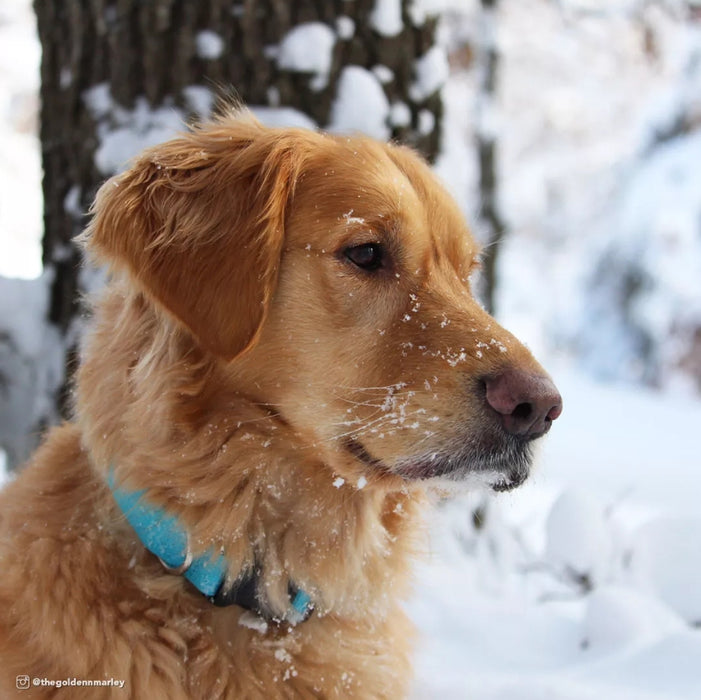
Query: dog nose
[[527, 404]]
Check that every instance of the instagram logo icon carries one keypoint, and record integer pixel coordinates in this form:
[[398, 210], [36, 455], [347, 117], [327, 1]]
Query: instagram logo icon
[[22, 682]]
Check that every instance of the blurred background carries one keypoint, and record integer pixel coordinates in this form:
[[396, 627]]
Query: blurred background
[[569, 131]]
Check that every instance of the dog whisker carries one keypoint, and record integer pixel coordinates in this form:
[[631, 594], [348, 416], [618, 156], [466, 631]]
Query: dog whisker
[[396, 419], [359, 403]]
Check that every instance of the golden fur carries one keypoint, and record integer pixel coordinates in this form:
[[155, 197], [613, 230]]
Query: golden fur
[[235, 363]]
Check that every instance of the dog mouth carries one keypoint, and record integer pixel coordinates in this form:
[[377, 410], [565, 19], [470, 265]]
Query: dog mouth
[[357, 449], [502, 466]]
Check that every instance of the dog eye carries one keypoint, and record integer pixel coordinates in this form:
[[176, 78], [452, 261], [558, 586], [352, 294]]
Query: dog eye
[[369, 256]]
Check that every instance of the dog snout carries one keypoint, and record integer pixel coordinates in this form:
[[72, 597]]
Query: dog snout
[[526, 403]]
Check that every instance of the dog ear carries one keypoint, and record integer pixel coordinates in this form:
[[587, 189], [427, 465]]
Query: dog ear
[[199, 222]]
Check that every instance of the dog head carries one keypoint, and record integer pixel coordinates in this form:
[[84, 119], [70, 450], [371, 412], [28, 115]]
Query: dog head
[[329, 278]]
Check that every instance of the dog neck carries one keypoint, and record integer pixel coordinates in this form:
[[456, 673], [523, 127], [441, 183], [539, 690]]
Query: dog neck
[[165, 536], [276, 504]]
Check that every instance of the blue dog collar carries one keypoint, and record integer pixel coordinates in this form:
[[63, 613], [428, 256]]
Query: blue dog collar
[[163, 535]]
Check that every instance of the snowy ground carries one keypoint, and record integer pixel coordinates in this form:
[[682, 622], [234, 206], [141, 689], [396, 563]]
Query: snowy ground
[[503, 611], [586, 582]]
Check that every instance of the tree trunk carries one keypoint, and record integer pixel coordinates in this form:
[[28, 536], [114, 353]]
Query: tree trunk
[[491, 223], [117, 75]]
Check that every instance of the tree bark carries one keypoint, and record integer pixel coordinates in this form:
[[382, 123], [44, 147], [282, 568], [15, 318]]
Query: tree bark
[[491, 222]]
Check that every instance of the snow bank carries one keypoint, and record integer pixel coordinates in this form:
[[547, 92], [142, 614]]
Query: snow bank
[[666, 561], [618, 617], [579, 539]]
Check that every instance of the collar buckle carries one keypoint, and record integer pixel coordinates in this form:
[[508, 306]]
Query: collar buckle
[[180, 568]]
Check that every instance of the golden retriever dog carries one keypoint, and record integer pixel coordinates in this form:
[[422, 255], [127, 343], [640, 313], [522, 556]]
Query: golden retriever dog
[[287, 358]]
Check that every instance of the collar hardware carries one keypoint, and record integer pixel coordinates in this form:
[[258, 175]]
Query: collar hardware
[[181, 568]]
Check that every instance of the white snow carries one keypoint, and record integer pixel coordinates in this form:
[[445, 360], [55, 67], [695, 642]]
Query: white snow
[[635, 446], [386, 17], [383, 73], [200, 100], [24, 337], [658, 223], [616, 617], [427, 121], [666, 562], [254, 622], [579, 539], [345, 27], [360, 104], [400, 114], [416, 13], [21, 200], [431, 72], [71, 202], [124, 133], [209, 45], [284, 117], [307, 48], [31, 297]]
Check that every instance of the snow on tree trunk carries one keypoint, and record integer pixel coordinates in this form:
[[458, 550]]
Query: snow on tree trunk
[[119, 75]]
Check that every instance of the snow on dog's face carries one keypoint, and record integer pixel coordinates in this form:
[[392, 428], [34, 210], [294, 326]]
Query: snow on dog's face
[[332, 275]]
